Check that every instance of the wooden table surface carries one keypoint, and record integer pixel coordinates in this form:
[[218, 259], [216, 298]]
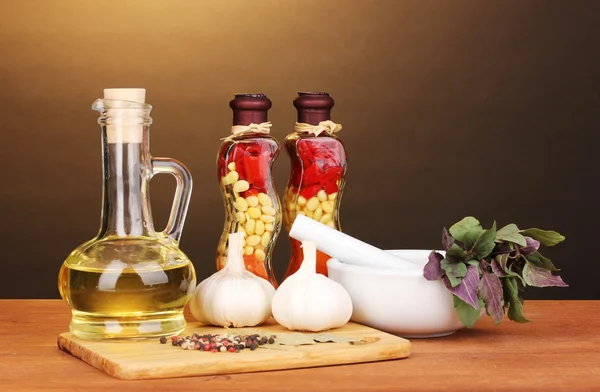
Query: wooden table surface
[[558, 350]]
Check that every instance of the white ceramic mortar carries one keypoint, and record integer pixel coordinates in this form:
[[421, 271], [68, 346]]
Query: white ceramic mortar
[[401, 302]]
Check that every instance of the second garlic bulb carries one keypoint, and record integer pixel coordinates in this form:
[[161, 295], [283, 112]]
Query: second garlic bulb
[[307, 301], [233, 297]]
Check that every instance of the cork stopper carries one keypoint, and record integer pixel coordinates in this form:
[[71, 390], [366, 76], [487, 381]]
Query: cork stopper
[[124, 113], [126, 94], [250, 108], [313, 107]]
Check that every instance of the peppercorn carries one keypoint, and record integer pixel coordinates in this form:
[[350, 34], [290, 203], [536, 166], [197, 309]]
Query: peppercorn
[[218, 343]]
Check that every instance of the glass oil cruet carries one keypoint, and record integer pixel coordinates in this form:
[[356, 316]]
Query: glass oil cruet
[[130, 281]]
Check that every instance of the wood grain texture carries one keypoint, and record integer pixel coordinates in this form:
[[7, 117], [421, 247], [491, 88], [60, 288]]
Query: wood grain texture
[[150, 359], [558, 351]]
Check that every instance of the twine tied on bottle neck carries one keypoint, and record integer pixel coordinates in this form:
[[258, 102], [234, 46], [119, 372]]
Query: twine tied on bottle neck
[[324, 126], [238, 130]]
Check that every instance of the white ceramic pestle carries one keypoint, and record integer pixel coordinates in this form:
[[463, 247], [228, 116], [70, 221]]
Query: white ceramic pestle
[[345, 248]]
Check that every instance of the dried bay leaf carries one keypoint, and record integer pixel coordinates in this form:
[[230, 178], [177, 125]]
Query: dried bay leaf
[[303, 339], [329, 338], [364, 341], [294, 339]]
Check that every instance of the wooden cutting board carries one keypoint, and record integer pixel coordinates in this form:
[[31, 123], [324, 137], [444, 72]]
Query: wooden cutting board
[[150, 359]]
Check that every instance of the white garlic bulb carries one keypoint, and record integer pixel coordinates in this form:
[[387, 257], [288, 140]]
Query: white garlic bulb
[[307, 301], [233, 296]]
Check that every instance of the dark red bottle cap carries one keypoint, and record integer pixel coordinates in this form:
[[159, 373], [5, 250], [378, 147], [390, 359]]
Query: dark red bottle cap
[[250, 108], [313, 107]]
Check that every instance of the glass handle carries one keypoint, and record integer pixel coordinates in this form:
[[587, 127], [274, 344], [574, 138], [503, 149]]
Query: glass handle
[[183, 192]]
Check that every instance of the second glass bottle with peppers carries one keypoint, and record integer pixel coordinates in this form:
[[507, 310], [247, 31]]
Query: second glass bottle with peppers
[[318, 171], [252, 206]]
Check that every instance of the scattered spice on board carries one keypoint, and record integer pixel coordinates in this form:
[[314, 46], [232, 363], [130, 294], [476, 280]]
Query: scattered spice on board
[[220, 343]]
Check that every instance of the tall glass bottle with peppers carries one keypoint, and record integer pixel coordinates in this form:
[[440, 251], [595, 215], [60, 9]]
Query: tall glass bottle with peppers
[[244, 166], [318, 171]]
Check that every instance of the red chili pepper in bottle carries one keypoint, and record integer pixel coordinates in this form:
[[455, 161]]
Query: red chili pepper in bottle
[[318, 172], [244, 163]]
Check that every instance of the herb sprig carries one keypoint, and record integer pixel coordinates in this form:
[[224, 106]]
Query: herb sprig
[[487, 268]]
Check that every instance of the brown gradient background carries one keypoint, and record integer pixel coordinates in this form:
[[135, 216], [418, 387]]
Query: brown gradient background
[[450, 108]]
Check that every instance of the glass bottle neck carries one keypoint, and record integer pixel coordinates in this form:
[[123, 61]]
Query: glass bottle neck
[[126, 173], [247, 117], [313, 116]]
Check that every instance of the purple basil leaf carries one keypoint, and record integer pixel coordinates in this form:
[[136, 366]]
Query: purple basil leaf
[[485, 266], [540, 277], [532, 246], [467, 289], [497, 268], [447, 239], [490, 290], [432, 270]]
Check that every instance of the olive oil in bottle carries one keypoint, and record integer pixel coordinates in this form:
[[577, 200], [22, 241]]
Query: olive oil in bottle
[[130, 282]]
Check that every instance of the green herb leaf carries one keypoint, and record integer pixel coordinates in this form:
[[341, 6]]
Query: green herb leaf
[[541, 261], [474, 262], [454, 271], [515, 303], [539, 277], [467, 231], [502, 260], [546, 237], [467, 314], [456, 253], [511, 233], [485, 243]]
